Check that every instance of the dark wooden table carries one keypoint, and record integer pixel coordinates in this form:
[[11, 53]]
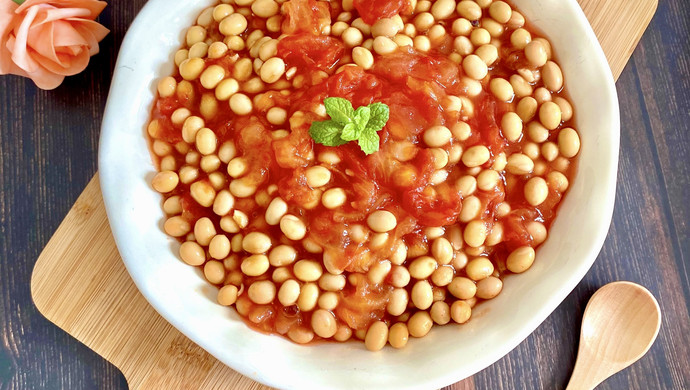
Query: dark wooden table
[[48, 149]]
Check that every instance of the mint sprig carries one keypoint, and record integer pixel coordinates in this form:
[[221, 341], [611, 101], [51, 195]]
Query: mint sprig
[[347, 124]]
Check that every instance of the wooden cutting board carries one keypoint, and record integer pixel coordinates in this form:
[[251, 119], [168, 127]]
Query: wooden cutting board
[[80, 283]]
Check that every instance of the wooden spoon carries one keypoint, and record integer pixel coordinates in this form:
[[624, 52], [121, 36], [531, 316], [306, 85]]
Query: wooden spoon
[[620, 324]]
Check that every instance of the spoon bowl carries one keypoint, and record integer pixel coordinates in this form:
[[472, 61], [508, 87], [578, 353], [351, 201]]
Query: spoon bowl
[[620, 324]]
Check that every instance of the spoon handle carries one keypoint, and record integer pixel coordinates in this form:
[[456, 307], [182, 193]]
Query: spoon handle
[[583, 377], [589, 372]]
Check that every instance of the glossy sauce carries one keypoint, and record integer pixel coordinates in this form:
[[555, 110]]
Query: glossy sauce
[[416, 87]]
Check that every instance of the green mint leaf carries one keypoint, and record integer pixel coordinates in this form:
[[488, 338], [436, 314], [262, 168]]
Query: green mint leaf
[[369, 141], [339, 109], [362, 115], [351, 132], [379, 116], [326, 133]]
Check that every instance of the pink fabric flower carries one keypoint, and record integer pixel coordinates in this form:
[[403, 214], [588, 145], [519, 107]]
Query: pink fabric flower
[[47, 40]]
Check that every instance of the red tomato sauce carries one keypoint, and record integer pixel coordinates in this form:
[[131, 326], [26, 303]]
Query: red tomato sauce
[[416, 87]]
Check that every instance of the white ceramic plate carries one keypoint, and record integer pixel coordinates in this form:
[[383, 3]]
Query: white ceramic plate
[[448, 354]]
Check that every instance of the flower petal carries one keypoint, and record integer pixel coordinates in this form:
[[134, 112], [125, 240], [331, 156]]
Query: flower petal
[[64, 34], [94, 7], [10, 67], [93, 34], [45, 79], [19, 49], [52, 14], [68, 64], [89, 37], [7, 24], [96, 28], [40, 39]]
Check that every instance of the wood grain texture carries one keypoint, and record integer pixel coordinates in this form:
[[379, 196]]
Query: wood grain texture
[[615, 24], [620, 324], [47, 155]]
